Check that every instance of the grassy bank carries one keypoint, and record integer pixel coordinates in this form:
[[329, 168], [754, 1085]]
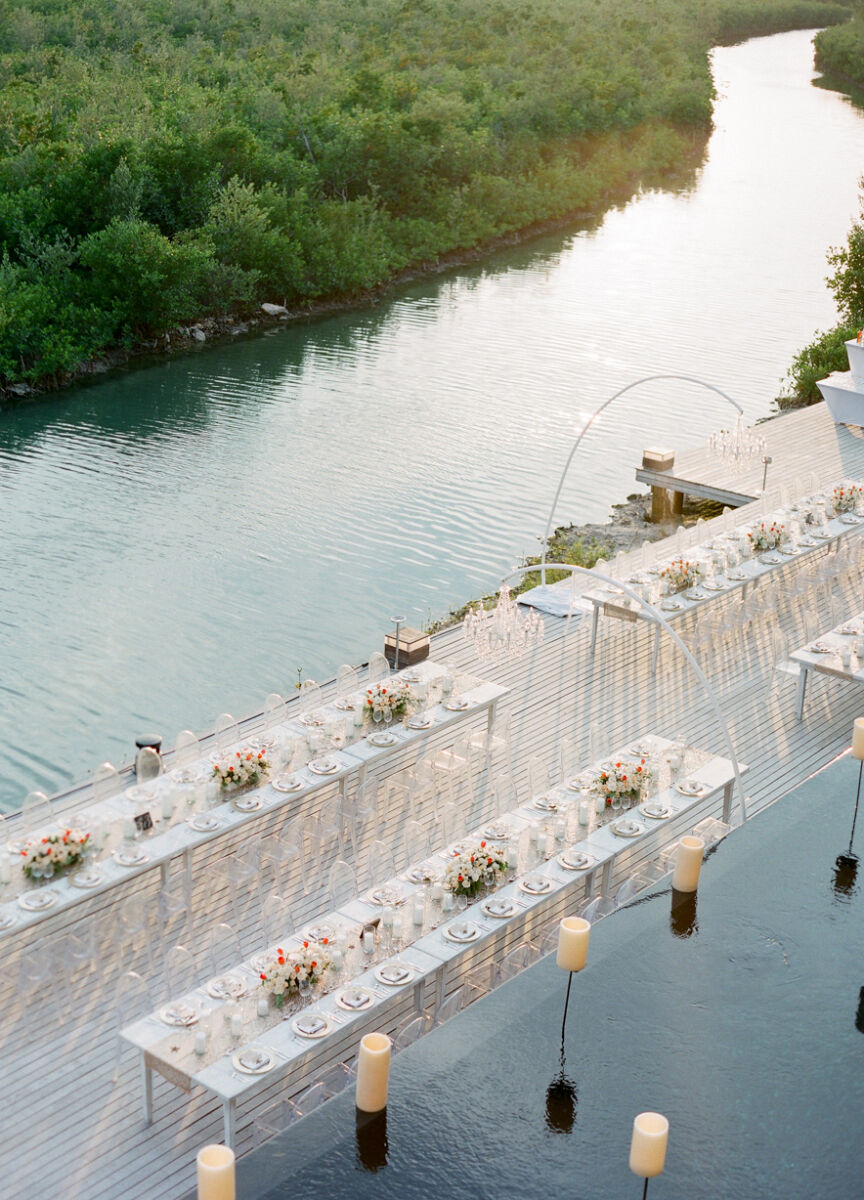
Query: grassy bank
[[162, 163], [840, 51]]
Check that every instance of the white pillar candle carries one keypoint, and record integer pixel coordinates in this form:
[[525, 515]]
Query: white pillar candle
[[533, 834], [5, 867], [166, 804], [437, 893], [859, 647], [373, 1072], [600, 805], [236, 1025], [573, 934], [368, 941], [448, 902], [846, 658], [387, 918], [584, 812], [130, 830], [216, 1173], [648, 1144], [336, 959], [549, 845], [858, 738], [263, 1004], [560, 830], [201, 1042], [419, 910], [688, 864]]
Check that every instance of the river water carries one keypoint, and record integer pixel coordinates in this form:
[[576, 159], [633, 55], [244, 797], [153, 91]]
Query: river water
[[179, 539]]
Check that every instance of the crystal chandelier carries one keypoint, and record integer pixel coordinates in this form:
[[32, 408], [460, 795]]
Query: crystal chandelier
[[737, 446], [503, 632]]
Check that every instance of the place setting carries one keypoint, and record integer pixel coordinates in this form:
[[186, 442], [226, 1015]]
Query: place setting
[[535, 885], [500, 907], [311, 1025], [461, 932], [131, 856], [179, 1016], [386, 897], [626, 827], [328, 764], [38, 901], [424, 720], [690, 787], [395, 973], [575, 860], [204, 822], [253, 1060], [655, 811], [288, 782], [382, 738], [227, 987], [354, 999], [87, 878]]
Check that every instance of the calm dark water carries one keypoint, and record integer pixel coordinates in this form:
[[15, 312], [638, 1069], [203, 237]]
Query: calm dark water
[[746, 1034], [179, 539]]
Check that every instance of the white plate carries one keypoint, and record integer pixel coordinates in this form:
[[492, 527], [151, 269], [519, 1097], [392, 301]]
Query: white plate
[[287, 783], [354, 999], [394, 974], [247, 803], [640, 750], [384, 737], [317, 933], [227, 987], [420, 722], [179, 1016], [253, 1061], [421, 875], [580, 784], [696, 593], [38, 901], [819, 648], [131, 858], [313, 718], [535, 885], [545, 804], [771, 558], [716, 585], [670, 604], [312, 1025], [461, 932], [500, 908], [344, 704], [386, 897], [497, 833], [789, 551], [575, 862], [737, 575], [458, 704], [86, 879], [204, 823], [7, 919], [626, 827], [849, 518], [411, 676], [689, 787], [657, 812], [452, 851], [324, 766]]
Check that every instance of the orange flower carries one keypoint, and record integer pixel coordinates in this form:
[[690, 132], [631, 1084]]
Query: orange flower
[[281, 960], [313, 965], [305, 945], [324, 941], [263, 976]]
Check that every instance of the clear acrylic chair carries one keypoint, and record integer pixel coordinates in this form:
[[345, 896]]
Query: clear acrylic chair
[[277, 920], [36, 816], [274, 710], [411, 1032], [599, 742], [225, 732], [477, 983], [596, 907], [148, 765], [453, 769], [449, 1007], [106, 782], [516, 961], [347, 682], [415, 843], [341, 884], [538, 777], [275, 1119], [175, 913], [181, 972], [310, 701], [224, 952], [380, 864], [132, 999], [451, 825], [379, 668], [187, 748]]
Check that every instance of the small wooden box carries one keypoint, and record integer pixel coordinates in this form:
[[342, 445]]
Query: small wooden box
[[413, 647]]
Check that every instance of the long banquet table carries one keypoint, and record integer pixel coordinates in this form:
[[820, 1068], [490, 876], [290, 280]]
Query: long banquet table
[[168, 841], [825, 657], [437, 963]]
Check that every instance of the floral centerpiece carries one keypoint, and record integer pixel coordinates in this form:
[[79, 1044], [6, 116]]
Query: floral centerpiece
[[245, 768], [767, 536], [291, 971], [476, 865], [681, 574], [54, 853], [847, 499], [391, 698], [626, 780]]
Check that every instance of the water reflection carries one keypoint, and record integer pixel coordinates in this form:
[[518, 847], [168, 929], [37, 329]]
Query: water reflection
[[844, 883], [372, 1146], [561, 1100], [859, 1014], [682, 915]]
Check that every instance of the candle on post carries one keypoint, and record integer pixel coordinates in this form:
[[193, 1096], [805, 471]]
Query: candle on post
[[688, 864], [573, 935], [373, 1072], [857, 752], [648, 1146], [216, 1173]]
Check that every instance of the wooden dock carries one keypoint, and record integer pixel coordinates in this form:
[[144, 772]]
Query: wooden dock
[[68, 1130], [799, 443]]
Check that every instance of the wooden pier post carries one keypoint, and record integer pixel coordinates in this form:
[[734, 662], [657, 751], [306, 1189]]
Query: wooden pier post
[[665, 503]]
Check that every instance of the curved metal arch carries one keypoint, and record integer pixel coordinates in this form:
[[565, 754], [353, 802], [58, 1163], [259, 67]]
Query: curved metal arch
[[622, 391], [658, 616]]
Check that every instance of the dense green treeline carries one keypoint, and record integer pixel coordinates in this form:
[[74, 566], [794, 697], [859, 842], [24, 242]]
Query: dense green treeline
[[164, 161], [827, 351], [840, 50]]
